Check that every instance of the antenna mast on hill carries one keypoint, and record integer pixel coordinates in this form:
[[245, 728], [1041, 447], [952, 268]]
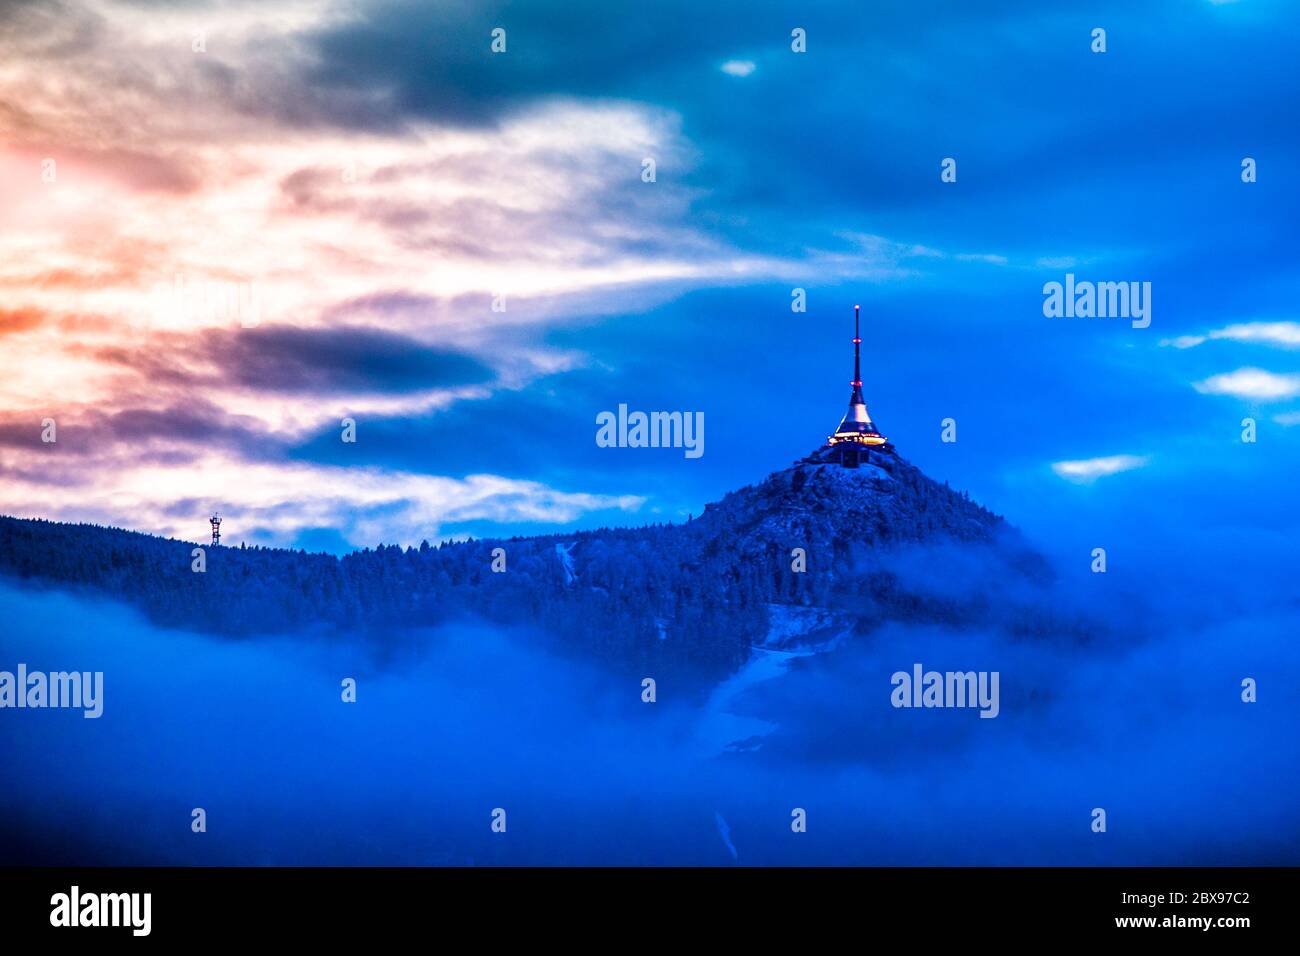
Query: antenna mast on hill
[[215, 521], [857, 433]]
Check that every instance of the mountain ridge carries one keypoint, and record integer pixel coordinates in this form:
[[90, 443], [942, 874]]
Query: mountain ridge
[[693, 596]]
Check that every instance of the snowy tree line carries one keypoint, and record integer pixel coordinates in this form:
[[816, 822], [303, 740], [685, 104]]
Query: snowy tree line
[[691, 596]]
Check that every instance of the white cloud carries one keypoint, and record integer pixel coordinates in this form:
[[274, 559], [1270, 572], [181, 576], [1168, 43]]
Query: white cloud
[[1256, 384], [882, 251], [1287, 419], [1087, 470], [269, 502], [1284, 335], [739, 67], [988, 257], [1184, 341]]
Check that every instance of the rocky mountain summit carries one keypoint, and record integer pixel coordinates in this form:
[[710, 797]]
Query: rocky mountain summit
[[887, 501]]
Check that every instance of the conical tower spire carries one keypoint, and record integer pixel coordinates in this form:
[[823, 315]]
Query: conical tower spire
[[857, 426]]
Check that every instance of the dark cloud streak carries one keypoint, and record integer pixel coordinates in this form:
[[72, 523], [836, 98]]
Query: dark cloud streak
[[286, 359]]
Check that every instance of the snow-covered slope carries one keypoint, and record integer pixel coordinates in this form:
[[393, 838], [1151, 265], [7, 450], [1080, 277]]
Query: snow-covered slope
[[886, 501]]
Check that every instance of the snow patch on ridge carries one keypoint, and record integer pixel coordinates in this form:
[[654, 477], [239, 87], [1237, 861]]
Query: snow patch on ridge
[[807, 629], [565, 554]]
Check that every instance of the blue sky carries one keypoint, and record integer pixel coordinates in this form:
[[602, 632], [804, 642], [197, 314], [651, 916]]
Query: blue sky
[[473, 173]]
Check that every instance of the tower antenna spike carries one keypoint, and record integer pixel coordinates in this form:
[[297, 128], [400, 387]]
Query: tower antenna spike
[[857, 349]]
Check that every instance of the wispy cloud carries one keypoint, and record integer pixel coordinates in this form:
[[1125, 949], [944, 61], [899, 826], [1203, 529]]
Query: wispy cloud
[[1284, 335], [1256, 384], [739, 67], [270, 502], [1086, 470]]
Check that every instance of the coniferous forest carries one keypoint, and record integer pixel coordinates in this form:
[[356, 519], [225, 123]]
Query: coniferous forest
[[692, 597]]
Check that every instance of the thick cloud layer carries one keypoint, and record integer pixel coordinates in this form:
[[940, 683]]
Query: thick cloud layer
[[1144, 720]]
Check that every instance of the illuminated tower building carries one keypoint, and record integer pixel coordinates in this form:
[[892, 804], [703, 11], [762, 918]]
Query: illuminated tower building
[[215, 521], [857, 434]]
